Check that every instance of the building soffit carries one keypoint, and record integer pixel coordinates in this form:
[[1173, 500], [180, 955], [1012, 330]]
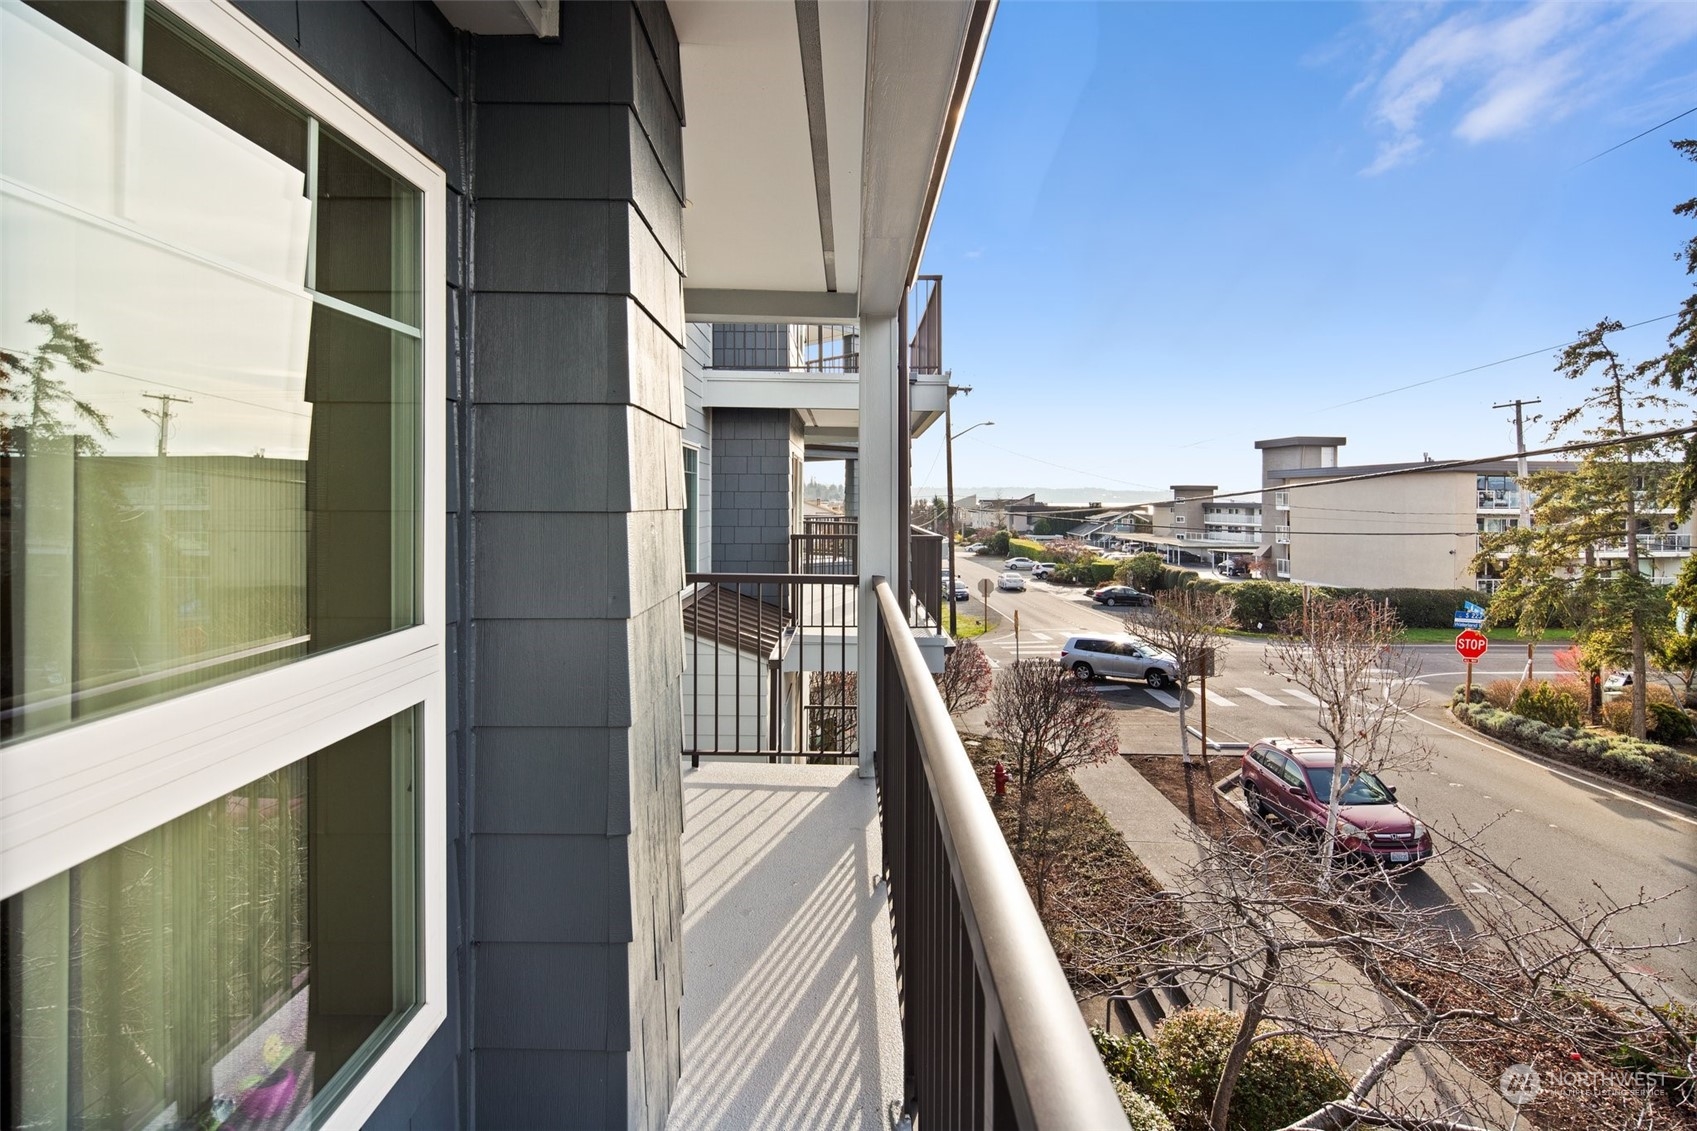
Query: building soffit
[[817, 137]]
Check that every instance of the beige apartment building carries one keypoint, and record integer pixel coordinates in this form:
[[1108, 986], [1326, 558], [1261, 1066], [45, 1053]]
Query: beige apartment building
[[1409, 525]]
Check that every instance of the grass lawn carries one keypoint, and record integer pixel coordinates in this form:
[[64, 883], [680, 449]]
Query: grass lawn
[[970, 626], [1495, 635]]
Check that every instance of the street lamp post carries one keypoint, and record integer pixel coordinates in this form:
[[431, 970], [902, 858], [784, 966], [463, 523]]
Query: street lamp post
[[949, 461]]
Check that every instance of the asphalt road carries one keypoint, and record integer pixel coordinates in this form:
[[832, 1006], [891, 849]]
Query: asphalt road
[[1574, 839]]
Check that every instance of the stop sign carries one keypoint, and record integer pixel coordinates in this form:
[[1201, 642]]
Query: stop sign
[[1471, 645]]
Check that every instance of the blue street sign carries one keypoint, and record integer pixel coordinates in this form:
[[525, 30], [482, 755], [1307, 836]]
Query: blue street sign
[[1468, 620]]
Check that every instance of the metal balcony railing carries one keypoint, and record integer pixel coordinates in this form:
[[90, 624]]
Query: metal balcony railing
[[1281, 534], [991, 1034], [925, 348], [1650, 544], [787, 347], [826, 545], [769, 666]]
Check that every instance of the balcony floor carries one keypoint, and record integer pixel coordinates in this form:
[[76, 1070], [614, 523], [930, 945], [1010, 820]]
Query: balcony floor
[[790, 1016]]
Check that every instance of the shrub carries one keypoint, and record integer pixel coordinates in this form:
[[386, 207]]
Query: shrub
[[1137, 1062], [1283, 1079], [1540, 701], [1649, 764], [1672, 724], [1026, 548], [1140, 1111], [1259, 606], [1499, 693], [997, 544], [1617, 714], [1140, 570]]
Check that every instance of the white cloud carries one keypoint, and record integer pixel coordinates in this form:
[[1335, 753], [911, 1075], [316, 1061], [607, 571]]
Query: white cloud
[[1490, 72]]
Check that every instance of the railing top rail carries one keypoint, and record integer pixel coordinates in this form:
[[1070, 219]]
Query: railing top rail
[[1053, 1072], [770, 578]]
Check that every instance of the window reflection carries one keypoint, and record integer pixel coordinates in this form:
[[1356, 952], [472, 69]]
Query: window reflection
[[219, 970], [203, 470]]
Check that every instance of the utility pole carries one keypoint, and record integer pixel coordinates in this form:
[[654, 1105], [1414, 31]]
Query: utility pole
[[1519, 406], [162, 415]]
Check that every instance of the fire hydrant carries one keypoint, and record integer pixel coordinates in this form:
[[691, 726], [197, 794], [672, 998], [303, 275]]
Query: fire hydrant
[[1001, 776]]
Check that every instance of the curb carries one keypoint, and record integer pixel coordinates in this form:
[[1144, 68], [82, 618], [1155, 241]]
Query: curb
[[1213, 745], [1602, 781]]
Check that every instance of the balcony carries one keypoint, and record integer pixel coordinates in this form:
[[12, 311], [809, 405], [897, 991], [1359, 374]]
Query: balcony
[[1653, 544], [1487, 585], [1281, 500], [1281, 567], [858, 947], [1281, 534]]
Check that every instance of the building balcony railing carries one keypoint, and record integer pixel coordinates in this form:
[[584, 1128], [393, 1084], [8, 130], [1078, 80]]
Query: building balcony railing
[[1649, 544], [769, 666], [1281, 500], [1281, 534], [1487, 585], [1499, 500], [991, 1034]]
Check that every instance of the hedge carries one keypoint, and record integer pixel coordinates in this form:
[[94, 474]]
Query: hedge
[[1661, 769]]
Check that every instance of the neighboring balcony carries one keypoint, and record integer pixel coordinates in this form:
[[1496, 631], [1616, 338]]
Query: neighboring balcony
[[1654, 544], [861, 949], [1281, 534]]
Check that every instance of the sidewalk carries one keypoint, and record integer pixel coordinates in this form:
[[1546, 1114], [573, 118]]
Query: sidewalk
[[1428, 1076]]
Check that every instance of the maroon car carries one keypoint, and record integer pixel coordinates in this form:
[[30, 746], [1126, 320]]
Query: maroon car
[[1292, 778]]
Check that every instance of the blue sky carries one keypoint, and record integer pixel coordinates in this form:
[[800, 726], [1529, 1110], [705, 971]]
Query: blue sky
[[1170, 230]]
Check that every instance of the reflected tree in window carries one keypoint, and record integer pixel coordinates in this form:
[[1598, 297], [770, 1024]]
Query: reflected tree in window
[[39, 405]]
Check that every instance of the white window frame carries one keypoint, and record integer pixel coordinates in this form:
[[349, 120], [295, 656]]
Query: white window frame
[[68, 796]]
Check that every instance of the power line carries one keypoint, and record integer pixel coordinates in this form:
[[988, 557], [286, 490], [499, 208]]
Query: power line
[[1077, 470], [1477, 368], [1632, 139]]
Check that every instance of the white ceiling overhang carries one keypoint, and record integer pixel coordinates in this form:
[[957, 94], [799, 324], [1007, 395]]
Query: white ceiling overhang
[[817, 138]]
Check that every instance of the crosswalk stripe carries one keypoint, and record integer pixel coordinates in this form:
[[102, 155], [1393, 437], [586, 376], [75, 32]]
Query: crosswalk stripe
[[1302, 695], [1262, 696], [1161, 697], [1219, 700]]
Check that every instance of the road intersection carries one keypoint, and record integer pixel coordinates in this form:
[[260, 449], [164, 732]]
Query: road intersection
[[1579, 839]]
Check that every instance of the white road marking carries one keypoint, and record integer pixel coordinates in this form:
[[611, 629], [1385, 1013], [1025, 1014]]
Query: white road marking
[[1219, 700], [1579, 781], [1296, 693], [1162, 698], [1262, 696]]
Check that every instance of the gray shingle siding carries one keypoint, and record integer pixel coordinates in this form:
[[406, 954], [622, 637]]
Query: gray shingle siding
[[565, 418]]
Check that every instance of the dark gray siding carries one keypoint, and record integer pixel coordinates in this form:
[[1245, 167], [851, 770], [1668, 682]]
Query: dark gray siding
[[564, 162], [754, 451]]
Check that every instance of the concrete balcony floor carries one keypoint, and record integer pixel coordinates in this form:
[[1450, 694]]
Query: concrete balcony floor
[[790, 1017]]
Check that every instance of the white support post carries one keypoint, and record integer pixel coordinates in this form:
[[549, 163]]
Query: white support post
[[879, 508]]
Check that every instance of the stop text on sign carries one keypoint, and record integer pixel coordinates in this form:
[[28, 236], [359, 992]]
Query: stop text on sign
[[1471, 645]]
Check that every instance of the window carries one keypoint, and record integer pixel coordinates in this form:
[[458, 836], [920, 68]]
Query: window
[[209, 399], [221, 422], [691, 510], [221, 968]]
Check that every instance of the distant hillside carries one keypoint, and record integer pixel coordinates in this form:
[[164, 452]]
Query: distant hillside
[[1065, 496]]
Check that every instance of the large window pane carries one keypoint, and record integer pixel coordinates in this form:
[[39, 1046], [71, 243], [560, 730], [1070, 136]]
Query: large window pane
[[203, 470], [222, 969], [368, 233]]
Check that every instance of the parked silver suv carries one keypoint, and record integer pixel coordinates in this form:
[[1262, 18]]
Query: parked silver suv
[[1093, 655]]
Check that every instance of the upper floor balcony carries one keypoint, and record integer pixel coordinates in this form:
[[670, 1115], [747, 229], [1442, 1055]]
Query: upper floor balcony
[[814, 368], [1655, 544]]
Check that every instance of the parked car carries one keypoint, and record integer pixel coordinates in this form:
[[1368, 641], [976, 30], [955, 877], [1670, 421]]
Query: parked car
[[1011, 581], [962, 591], [977, 548], [1042, 569], [1018, 563], [1232, 569], [1122, 595], [1291, 778], [1094, 655]]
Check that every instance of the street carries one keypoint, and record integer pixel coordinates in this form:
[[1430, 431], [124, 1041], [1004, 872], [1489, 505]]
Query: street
[[1571, 837]]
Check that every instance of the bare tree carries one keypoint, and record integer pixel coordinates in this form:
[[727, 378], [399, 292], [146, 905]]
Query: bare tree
[[1047, 721], [1343, 652], [966, 678], [1375, 978], [1187, 625]]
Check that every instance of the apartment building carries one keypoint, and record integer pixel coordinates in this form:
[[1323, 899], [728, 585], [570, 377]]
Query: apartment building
[[1415, 524], [344, 544], [1193, 528]]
